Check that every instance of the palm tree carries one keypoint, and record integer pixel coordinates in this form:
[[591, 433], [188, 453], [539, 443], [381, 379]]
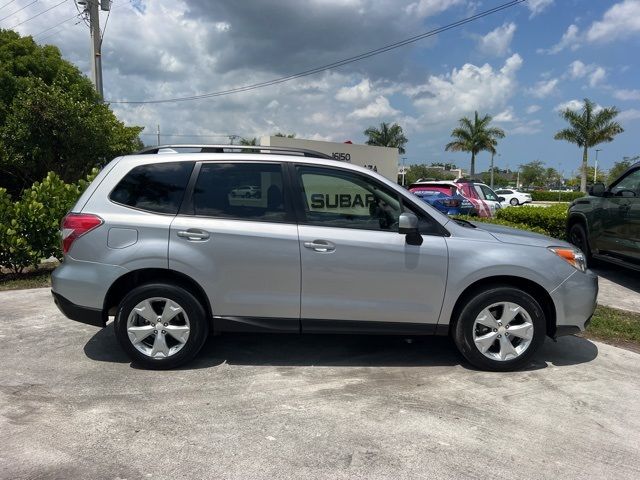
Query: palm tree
[[387, 136], [588, 128], [475, 136], [249, 141]]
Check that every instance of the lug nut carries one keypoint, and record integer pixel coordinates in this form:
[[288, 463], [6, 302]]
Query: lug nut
[[499, 336], [155, 331], [506, 334], [166, 325], [499, 324], [504, 327], [163, 332], [495, 329]]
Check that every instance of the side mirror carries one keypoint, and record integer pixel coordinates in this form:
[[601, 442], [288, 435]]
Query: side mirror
[[501, 199], [597, 189], [408, 225]]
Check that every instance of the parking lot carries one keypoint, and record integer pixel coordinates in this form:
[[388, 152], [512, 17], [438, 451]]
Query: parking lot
[[72, 407]]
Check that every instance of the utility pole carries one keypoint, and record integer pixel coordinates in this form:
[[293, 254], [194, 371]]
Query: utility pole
[[92, 10], [403, 170], [158, 133], [595, 170]]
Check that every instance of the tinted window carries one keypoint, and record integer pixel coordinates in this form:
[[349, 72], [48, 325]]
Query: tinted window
[[157, 188], [240, 190], [629, 185], [504, 192], [488, 193]]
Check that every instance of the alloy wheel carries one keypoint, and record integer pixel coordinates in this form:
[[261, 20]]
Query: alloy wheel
[[503, 331]]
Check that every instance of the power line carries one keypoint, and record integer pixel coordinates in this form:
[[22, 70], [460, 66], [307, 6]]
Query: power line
[[330, 66], [17, 11], [58, 31], [37, 15], [7, 4], [57, 25]]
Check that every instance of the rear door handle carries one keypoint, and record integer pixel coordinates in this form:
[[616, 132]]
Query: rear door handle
[[322, 246], [194, 234]]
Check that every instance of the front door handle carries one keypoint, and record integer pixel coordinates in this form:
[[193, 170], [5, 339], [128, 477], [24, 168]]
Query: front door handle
[[194, 234], [322, 246]]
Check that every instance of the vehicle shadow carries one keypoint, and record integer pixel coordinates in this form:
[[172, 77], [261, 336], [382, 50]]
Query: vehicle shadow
[[621, 276], [340, 351]]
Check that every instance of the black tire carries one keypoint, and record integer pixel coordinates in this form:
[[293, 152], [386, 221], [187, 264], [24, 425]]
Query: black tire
[[463, 329], [198, 324], [578, 237], [514, 202]]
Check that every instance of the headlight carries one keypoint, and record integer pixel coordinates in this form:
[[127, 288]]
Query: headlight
[[572, 256]]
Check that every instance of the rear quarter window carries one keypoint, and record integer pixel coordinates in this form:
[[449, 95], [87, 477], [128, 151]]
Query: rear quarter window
[[156, 187]]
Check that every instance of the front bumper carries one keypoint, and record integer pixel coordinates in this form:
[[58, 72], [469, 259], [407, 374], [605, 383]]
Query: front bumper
[[575, 301], [90, 316]]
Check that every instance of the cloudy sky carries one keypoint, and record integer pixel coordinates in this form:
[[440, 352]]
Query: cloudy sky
[[520, 65]]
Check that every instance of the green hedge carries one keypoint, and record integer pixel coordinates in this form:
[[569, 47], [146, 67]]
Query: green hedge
[[30, 225], [552, 220], [546, 196]]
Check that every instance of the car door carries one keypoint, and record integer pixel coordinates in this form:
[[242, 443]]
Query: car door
[[358, 272], [243, 250], [621, 218]]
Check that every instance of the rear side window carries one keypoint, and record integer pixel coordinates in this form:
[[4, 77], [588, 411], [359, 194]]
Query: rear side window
[[156, 188], [244, 191]]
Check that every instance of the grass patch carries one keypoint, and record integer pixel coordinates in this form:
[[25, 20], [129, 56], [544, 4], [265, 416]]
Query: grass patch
[[615, 326], [37, 279]]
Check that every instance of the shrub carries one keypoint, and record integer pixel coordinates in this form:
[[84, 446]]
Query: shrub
[[29, 227], [546, 196], [552, 220]]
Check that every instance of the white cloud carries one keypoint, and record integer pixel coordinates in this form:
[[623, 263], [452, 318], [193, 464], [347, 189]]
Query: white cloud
[[359, 92], [543, 88], [621, 20], [627, 94], [538, 6], [628, 115], [505, 116], [527, 128], [428, 8], [448, 97], [533, 109], [497, 41], [597, 76], [574, 105], [570, 39], [379, 108], [578, 69]]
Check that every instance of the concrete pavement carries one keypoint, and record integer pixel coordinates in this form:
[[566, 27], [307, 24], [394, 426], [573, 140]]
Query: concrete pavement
[[72, 407], [619, 287]]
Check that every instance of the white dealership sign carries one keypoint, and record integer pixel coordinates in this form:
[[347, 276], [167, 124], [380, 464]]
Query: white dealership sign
[[383, 160]]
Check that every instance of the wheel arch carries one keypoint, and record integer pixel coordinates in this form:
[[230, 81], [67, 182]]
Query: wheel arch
[[124, 284], [537, 291]]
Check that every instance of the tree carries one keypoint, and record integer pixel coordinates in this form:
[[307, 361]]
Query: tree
[[474, 137], [387, 136], [284, 135], [417, 172], [249, 141], [51, 118], [532, 173], [588, 128]]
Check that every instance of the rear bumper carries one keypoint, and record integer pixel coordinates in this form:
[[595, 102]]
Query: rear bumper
[[90, 316]]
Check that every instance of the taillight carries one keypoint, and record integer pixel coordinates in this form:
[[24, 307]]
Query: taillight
[[74, 225]]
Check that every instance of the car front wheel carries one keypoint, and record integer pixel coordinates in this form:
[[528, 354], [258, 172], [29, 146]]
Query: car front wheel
[[499, 329], [161, 326]]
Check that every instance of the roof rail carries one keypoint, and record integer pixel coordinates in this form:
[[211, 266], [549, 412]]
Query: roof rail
[[237, 149]]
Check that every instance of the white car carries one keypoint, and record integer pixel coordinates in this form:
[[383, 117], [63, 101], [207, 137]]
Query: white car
[[514, 197]]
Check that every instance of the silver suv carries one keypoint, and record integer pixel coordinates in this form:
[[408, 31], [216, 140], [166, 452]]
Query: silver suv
[[161, 242]]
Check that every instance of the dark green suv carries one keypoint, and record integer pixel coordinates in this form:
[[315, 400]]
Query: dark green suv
[[605, 225]]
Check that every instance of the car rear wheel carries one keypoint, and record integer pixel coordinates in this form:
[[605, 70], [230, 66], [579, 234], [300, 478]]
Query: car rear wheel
[[500, 329], [514, 202], [161, 326]]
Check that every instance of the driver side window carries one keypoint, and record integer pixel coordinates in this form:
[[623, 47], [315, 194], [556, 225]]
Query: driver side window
[[629, 184], [337, 198]]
